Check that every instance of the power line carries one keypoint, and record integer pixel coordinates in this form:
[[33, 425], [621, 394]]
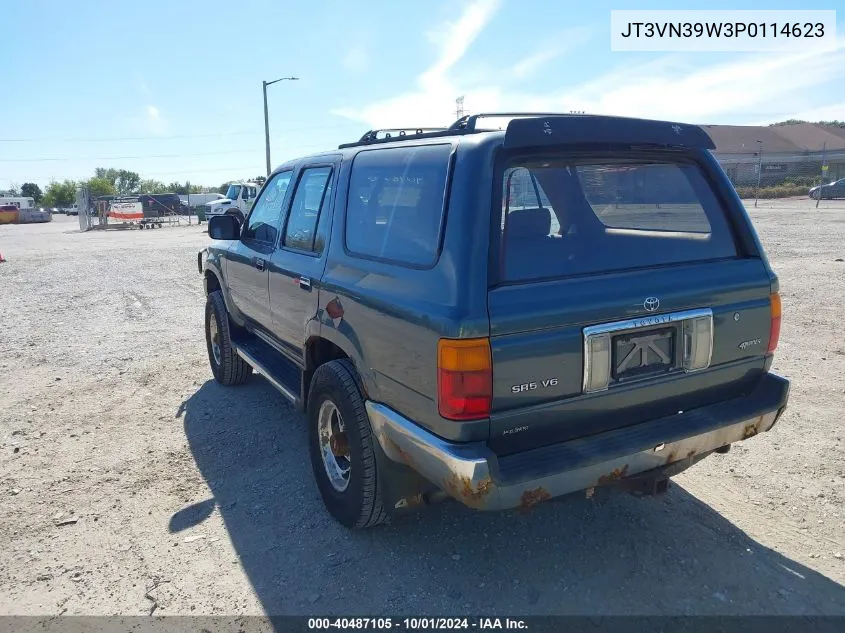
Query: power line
[[66, 158], [104, 158], [255, 169], [105, 139], [203, 171]]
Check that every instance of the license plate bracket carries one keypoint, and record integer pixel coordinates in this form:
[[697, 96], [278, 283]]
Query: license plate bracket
[[644, 353]]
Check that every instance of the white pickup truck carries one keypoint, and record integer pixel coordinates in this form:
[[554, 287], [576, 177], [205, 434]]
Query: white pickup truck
[[239, 198]]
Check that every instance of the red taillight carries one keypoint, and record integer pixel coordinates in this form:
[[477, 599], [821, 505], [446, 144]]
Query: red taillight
[[774, 334], [464, 378]]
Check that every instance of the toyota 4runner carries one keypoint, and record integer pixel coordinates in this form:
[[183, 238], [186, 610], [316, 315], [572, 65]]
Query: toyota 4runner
[[498, 316]]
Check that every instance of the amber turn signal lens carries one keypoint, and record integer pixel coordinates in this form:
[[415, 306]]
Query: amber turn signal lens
[[774, 331], [464, 378]]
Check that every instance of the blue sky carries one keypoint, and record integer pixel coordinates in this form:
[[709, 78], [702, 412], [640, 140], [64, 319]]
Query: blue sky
[[172, 88]]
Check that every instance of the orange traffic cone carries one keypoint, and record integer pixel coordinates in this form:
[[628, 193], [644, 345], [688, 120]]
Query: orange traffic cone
[[2, 260]]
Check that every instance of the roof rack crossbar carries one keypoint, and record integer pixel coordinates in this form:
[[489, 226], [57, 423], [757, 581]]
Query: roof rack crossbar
[[469, 122], [391, 135], [372, 135]]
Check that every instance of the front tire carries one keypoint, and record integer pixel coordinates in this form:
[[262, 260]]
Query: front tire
[[342, 447], [228, 368]]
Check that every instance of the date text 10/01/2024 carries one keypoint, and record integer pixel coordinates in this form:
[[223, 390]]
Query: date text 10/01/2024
[[416, 624]]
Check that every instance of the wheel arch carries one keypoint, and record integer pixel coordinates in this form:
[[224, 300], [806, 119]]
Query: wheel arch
[[327, 344], [211, 282]]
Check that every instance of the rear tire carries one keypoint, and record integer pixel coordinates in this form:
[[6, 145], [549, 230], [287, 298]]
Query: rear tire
[[335, 402], [228, 368]]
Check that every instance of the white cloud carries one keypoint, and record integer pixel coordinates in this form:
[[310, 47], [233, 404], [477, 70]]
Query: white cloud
[[550, 50], [830, 112], [455, 38], [150, 122], [154, 121], [682, 87], [711, 93], [432, 103]]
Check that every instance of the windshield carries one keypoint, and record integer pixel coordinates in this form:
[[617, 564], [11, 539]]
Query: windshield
[[233, 192]]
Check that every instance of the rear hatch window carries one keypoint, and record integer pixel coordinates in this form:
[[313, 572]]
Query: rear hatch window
[[568, 215]]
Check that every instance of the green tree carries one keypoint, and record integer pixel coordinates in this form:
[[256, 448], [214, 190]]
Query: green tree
[[184, 189], [833, 123], [152, 186], [60, 194], [31, 190], [123, 181], [12, 191], [100, 187], [127, 181], [109, 174]]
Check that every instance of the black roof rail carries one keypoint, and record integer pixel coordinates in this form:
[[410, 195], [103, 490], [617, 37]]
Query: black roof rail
[[468, 123], [391, 135], [464, 125]]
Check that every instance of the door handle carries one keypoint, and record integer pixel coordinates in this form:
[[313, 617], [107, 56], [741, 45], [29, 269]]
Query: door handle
[[305, 283], [258, 263]]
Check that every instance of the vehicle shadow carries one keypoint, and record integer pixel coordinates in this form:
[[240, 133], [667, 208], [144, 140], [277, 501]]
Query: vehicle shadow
[[671, 554]]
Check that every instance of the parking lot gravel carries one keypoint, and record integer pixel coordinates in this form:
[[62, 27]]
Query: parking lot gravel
[[131, 483]]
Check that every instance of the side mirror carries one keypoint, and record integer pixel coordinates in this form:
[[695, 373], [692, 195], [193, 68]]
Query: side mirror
[[224, 227]]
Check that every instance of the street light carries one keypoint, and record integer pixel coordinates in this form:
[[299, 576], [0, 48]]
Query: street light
[[759, 168], [264, 85]]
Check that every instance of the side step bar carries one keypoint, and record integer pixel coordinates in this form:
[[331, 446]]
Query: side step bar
[[284, 376]]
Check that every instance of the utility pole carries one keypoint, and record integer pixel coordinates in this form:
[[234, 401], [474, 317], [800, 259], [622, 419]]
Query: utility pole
[[459, 108], [824, 173], [264, 85], [759, 169]]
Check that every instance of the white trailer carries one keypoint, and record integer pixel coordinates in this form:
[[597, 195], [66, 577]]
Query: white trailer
[[20, 202], [199, 199]]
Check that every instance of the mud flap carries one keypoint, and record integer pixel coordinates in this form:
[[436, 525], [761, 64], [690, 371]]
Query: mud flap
[[402, 489]]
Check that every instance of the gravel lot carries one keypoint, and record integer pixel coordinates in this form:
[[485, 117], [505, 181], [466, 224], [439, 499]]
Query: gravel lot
[[130, 482]]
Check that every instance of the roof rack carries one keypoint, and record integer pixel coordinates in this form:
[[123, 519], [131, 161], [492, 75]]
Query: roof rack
[[469, 122], [464, 125], [389, 135]]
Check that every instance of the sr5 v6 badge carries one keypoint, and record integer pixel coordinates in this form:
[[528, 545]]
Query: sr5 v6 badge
[[531, 386]]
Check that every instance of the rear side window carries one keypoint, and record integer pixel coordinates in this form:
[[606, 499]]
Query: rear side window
[[563, 217], [396, 201]]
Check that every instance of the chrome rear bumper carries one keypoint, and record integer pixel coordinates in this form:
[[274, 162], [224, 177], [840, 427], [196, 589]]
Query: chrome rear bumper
[[475, 476]]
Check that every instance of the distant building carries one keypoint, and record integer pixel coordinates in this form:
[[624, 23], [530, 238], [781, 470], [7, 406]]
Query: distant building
[[787, 151]]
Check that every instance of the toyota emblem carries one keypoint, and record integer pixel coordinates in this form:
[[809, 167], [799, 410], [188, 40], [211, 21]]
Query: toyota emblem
[[651, 304]]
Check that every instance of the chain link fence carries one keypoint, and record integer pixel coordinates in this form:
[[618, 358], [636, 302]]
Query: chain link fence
[[794, 180]]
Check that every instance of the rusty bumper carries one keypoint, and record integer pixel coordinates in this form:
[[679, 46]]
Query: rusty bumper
[[475, 476]]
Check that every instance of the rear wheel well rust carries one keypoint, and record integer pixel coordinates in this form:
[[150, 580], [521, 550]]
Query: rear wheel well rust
[[319, 351]]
